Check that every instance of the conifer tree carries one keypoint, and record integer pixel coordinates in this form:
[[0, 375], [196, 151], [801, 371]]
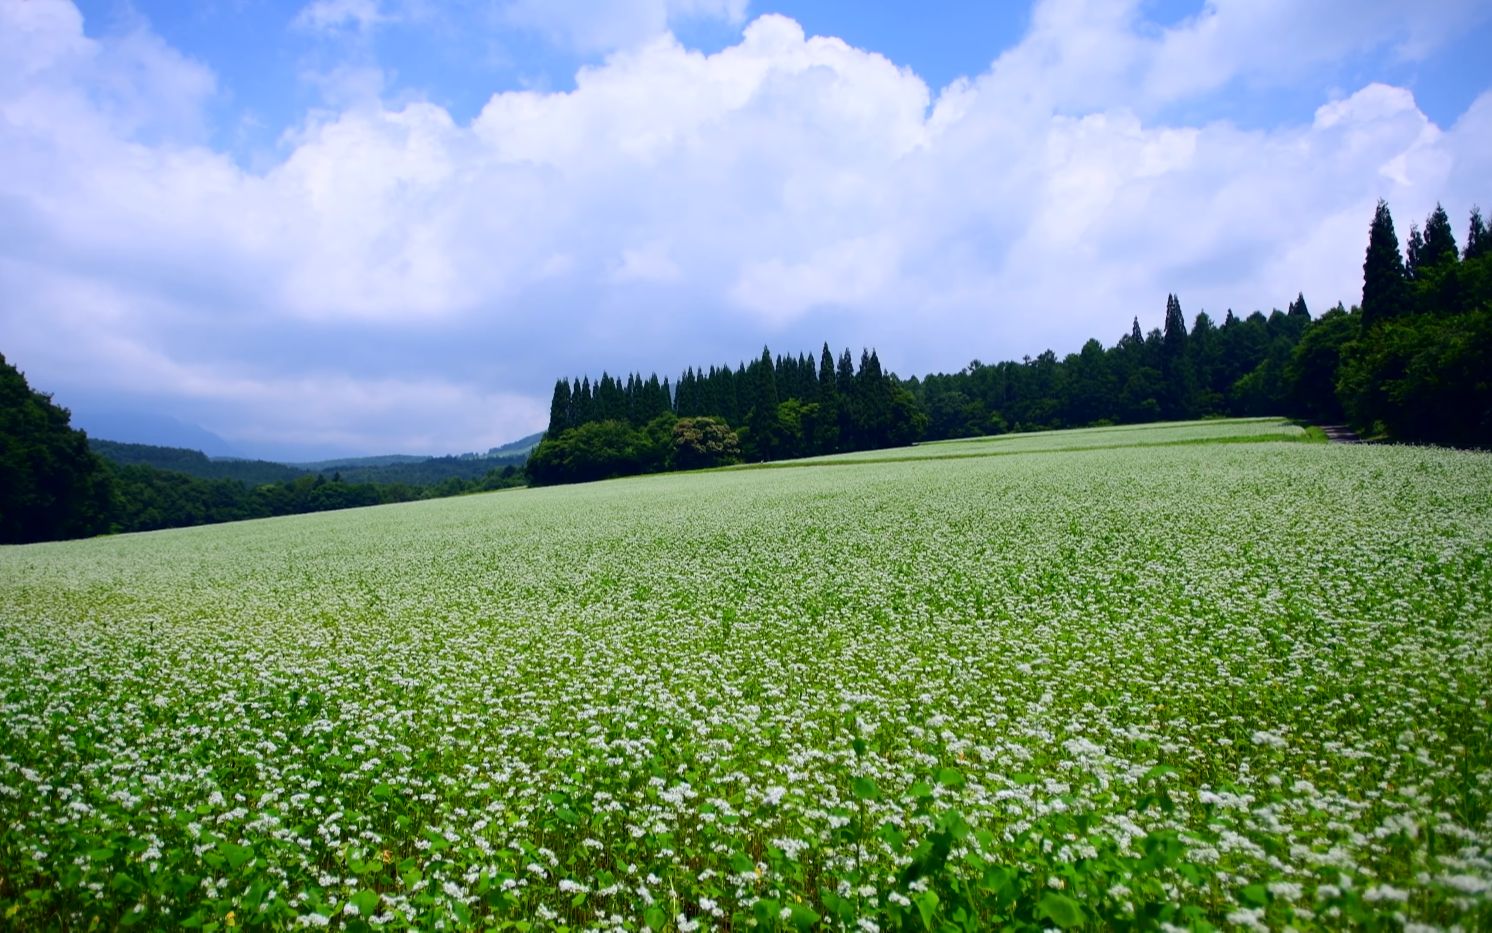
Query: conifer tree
[[584, 404], [1440, 242], [1477, 241], [762, 418], [827, 386], [1414, 250], [844, 375], [1177, 383], [1174, 341], [1385, 291], [559, 409]]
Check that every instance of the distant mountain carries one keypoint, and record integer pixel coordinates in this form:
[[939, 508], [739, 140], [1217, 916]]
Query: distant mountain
[[426, 471], [467, 466], [393, 469], [151, 429], [353, 463], [195, 462], [522, 446]]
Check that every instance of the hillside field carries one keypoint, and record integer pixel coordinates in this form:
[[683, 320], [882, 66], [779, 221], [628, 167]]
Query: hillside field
[[1204, 674]]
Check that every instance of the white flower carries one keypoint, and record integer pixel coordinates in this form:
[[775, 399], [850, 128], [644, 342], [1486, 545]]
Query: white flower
[[1385, 892]]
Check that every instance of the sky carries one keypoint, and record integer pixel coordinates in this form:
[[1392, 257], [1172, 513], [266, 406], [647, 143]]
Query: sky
[[323, 228]]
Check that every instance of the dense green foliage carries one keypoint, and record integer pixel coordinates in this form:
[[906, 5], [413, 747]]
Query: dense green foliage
[[1416, 363], [1236, 368], [428, 471], [51, 484], [194, 462], [146, 498], [786, 407], [389, 470], [1099, 679], [782, 407]]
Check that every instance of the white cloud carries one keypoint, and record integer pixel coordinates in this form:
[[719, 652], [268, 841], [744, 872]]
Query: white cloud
[[1100, 53], [334, 15], [398, 269]]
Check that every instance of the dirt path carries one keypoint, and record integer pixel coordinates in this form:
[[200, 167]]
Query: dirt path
[[1340, 434]]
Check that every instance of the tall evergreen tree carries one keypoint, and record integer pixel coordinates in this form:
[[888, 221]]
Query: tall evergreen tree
[[1174, 341], [583, 404], [761, 420], [1440, 242], [1385, 293], [844, 374], [828, 389], [1414, 252], [559, 408], [1478, 243], [1178, 386]]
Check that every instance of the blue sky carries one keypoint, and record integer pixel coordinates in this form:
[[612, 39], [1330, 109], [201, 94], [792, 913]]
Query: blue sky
[[320, 227]]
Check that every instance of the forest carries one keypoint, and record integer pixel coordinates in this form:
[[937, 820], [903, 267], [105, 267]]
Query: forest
[[383, 471], [1411, 363]]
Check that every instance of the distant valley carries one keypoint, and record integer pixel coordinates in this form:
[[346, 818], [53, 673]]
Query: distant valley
[[388, 469]]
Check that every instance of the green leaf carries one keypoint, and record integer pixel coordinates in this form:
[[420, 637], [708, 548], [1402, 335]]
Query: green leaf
[[765, 911], [950, 777], [865, 788], [803, 917], [1159, 771], [236, 855], [1255, 894], [654, 917], [1060, 909], [366, 902], [101, 854], [927, 907], [920, 790], [997, 878]]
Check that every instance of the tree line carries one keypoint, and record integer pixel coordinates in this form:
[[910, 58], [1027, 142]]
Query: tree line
[[383, 471], [1414, 361], [147, 498], [1410, 363], [772, 408]]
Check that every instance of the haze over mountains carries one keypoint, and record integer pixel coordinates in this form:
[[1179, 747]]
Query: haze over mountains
[[125, 426], [141, 427]]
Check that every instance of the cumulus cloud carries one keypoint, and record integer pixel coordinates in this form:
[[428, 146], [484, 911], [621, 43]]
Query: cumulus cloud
[[401, 280]]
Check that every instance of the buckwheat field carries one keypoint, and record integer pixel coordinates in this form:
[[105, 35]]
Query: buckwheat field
[[1103, 679]]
